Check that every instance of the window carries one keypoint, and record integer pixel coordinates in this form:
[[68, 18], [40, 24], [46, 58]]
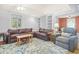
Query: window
[[71, 22]]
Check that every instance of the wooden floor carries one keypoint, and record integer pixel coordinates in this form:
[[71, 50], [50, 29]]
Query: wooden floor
[[75, 52]]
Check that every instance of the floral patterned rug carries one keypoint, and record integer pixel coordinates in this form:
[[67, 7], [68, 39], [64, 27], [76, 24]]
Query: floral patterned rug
[[37, 46]]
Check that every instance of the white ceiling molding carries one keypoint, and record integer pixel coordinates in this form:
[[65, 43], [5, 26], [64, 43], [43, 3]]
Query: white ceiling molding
[[41, 9], [74, 7]]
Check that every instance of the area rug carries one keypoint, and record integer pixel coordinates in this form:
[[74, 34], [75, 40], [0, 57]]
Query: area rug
[[37, 46]]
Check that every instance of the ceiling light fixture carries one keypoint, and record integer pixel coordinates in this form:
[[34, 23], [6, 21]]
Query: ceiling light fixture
[[20, 8]]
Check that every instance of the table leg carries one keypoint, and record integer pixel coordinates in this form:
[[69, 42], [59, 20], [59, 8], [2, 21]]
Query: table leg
[[30, 38], [18, 41], [26, 39]]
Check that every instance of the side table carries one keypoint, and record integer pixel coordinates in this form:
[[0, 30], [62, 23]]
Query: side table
[[3, 37], [53, 38]]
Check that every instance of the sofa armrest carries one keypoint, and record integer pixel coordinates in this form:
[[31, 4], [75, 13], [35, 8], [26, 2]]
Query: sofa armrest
[[74, 38], [7, 34], [49, 33], [73, 43]]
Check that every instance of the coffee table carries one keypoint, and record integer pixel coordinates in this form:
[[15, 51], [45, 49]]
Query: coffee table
[[24, 36]]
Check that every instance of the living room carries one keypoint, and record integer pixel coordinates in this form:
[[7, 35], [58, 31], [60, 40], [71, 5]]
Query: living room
[[26, 29]]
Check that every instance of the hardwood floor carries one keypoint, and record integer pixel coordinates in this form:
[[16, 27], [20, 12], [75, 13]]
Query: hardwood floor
[[76, 51]]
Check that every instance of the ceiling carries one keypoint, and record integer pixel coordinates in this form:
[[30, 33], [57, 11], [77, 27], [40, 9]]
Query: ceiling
[[39, 9]]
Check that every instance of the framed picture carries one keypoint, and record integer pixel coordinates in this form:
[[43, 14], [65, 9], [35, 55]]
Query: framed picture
[[16, 21]]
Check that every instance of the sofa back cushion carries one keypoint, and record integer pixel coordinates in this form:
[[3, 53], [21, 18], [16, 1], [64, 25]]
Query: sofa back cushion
[[26, 30], [13, 31], [66, 34], [44, 30], [38, 33], [70, 30]]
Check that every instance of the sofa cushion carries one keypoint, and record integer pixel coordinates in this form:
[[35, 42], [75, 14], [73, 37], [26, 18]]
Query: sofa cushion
[[70, 30], [38, 33], [41, 30], [62, 39], [44, 30], [62, 45], [66, 34], [43, 34], [25, 30], [47, 30], [13, 31]]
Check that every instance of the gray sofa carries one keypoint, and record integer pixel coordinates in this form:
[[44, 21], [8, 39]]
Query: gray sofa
[[68, 41]]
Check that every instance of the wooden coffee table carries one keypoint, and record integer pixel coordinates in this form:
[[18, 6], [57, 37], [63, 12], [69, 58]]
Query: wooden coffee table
[[24, 36]]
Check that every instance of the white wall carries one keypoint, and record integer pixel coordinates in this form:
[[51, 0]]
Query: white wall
[[30, 22], [27, 21], [4, 21], [43, 22], [46, 22]]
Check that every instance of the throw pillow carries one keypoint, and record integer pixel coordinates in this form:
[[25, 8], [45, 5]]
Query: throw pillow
[[66, 34]]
